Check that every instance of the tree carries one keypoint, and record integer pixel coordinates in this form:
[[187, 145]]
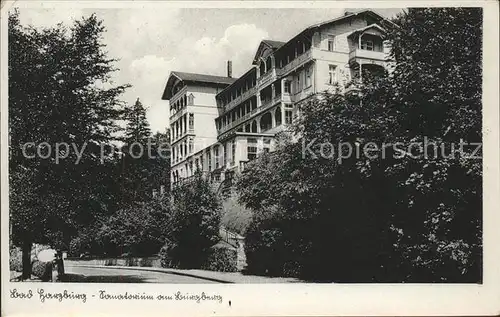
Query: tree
[[235, 217], [145, 159], [383, 216], [137, 126], [194, 224], [440, 99], [57, 77], [140, 230]]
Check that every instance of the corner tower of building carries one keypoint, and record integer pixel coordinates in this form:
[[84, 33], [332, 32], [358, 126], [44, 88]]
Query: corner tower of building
[[192, 113]]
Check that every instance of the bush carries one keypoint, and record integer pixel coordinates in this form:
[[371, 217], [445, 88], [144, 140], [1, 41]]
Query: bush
[[221, 259], [235, 217], [195, 224], [15, 260], [168, 258], [261, 244], [42, 270]]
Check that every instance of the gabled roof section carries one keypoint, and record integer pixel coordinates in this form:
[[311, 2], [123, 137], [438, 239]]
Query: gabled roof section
[[266, 44], [176, 77], [310, 30], [373, 29], [369, 12]]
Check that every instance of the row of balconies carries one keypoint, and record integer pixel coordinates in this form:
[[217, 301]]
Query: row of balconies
[[263, 107], [274, 73], [244, 96], [174, 100], [182, 134]]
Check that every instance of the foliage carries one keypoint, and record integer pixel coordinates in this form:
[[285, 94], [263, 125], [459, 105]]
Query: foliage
[[194, 223], [137, 231], [221, 259], [42, 270], [144, 163], [380, 216], [137, 126], [57, 93], [235, 217], [168, 255], [15, 260]]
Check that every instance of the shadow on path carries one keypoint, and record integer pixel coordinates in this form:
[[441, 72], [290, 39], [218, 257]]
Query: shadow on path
[[101, 278]]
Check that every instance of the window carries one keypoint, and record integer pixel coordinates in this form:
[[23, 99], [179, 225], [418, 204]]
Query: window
[[331, 43], [209, 160], [332, 74], [226, 146], [216, 154], [191, 145], [251, 148], [191, 121], [299, 88], [233, 152], [367, 45], [267, 146], [288, 116], [252, 152], [287, 87], [217, 177], [308, 81]]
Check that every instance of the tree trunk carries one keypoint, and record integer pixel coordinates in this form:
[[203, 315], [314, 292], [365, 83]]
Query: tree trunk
[[26, 260]]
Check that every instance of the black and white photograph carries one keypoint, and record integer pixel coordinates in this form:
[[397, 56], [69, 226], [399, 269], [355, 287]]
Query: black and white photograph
[[278, 146]]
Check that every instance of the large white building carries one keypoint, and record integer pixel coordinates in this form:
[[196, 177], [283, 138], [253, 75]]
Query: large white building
[[217, 124]]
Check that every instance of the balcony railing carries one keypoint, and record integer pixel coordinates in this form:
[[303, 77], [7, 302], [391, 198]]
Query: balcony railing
[[182, 134], [244, 96], [269, 103], [190, 179], [178, 114], [366, 54], [267, 78], [296, 62]]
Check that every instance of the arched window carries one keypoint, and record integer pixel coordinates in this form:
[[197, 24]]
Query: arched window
[[266, 122], [277, 115], [269, 63], [254, 126]]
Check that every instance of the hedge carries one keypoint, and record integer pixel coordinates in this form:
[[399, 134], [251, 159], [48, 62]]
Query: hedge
[[221, 259]]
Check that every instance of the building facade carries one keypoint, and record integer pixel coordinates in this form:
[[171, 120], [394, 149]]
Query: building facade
[[247, 112]]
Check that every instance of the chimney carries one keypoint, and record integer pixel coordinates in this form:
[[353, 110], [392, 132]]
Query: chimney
[[348, 12], [229, 69]]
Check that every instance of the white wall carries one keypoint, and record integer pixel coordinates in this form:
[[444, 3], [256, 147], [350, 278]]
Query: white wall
[[340, 31]]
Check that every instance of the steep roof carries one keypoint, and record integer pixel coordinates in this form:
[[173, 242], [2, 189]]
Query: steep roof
[[194, 78], [367, 28], [272, 44], [349, 15]]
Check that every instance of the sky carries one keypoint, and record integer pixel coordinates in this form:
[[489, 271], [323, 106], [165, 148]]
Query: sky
[[149, 43]]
